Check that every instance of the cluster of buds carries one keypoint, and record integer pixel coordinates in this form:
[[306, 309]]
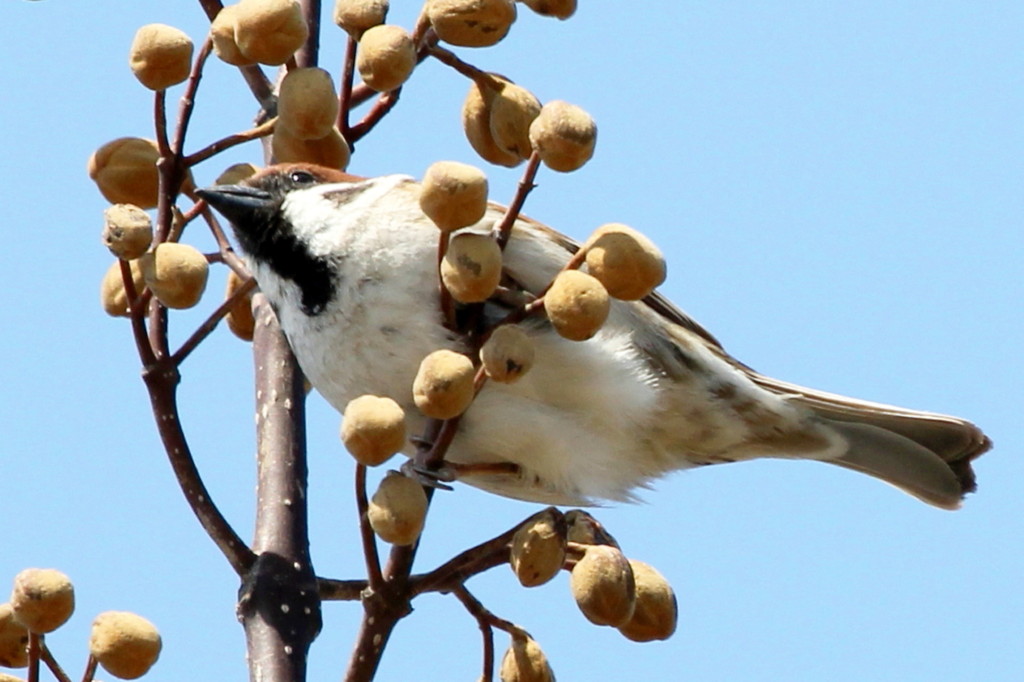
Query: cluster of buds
[[124, 644]]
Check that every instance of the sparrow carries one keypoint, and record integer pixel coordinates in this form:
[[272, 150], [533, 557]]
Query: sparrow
[[349, 265]]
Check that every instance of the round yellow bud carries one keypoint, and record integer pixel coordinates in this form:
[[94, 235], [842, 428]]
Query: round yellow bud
[[512, 111], [127, 231], [524, 661], [125, 644], [538, 548], [563, 9], [355, 16], [655, 615], [160, 56], [176, 273], [240, 319], [235, 173], [476, 123], [386, 57], [602, 585], [13, 639], [626, 262], [577, 305], [125, 171], [42, 599], [373, 429], [443, 387], [563, 135], [330, 151], [113, 297], [222, 33], [507, 354], [471, 23], [453, 194], [307, 104], [397, 510], [471, 268], [269, 31]]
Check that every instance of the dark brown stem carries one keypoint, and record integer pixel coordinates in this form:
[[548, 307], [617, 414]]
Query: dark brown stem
[[52, 664], [90, 669], [34, 642], [230, 141], [188, 101], [341, 590], [136, 313], [465, 565], [279, 602], [385, 103], [162, 378], [211, 322], [309, 54], [466, 69], [369, 540], [348, 75], [446, 301], [475, 607], [526, 185]]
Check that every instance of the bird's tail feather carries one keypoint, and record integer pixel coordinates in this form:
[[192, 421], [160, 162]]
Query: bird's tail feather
[[927, 455]]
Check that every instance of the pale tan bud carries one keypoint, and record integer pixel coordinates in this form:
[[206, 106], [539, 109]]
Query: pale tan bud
[[386, 57], [125, 171], [42, 599], [125, 644], [626, 262], [13, 639], [331, 151], [471, 23], [524, 661], [563, 9], [476, 123], [373, 429], [471, 268], [398, 509], [443, 387], [269, 31], [602, 585], [112, 294], [356, 16], [160, 56], [563, 135], [453, 194], [538, 548], [176, 273], [240, 319], [577, 305], [512, 111], [222, 31], [307, 104], [656, 612], [4, 677], [507, 354], [235, 173], [127, 231], [584, 529]]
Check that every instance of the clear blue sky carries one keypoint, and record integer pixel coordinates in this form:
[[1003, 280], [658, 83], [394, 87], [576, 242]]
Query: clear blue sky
[[838, 190]]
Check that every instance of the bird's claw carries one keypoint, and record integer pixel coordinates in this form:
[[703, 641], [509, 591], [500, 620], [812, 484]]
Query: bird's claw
[[432, 478]]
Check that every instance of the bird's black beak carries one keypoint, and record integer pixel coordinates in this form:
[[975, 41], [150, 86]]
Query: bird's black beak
[[238, 203]]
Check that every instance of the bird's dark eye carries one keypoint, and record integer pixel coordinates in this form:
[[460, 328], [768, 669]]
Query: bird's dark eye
[[301, 177]]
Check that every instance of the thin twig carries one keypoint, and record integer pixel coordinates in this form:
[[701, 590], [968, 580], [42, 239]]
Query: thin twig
[[52, 664], [385, 103], [90, 669], [34, 641], [136, 314], [526, 185], [211, 322], [465, 68], [341, 590], [230, 141], [472, 605], [188, 98], [348, 75], [372, 558], [464, 565]]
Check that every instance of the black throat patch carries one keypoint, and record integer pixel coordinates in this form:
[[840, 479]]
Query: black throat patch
[[270, 239]]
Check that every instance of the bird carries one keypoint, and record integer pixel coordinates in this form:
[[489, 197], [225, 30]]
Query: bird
[[349, 265]]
